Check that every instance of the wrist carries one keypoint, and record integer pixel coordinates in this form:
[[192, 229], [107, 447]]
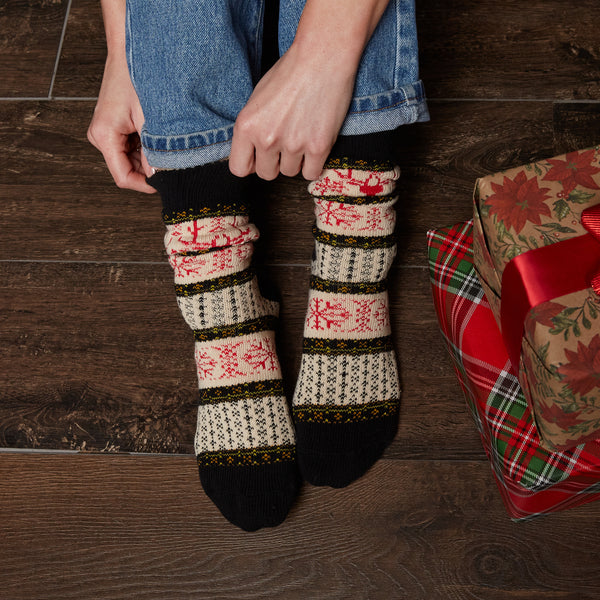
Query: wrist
[[335, 32], [334, 57], [113, 14]]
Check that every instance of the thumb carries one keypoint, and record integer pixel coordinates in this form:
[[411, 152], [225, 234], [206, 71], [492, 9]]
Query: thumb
[[148, 170]]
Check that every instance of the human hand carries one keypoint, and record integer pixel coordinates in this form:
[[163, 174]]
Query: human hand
[[115, 129], [296, 111], [292, 118]]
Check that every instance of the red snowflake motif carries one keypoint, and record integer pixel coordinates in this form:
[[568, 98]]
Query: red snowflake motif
[[175, 239], [186, 235], [221, 260], [382, 314], [205, 364], [363, 315], [188, 266], [194, 231], [261, 356], [233, 237], [576, 169], [582, 371], [219, 224], [378, 219], [195, 235], [243, 251], [336, 214], [328, 316], [230, 361], [389, 215], [328, 186], [373, 185], [518, 201], [342, 181]]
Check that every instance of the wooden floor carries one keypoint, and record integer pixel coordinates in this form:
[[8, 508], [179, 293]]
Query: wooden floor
[[99, 497]]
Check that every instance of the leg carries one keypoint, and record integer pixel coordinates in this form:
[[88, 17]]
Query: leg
[[347, 397], [193, 64], [346, 401], [245, 442]]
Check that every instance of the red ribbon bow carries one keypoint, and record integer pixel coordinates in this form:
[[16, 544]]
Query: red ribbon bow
[[546, 273], [590, 219]]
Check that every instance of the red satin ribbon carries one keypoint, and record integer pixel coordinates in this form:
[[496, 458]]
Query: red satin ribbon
[[590, 219], [546, 273]]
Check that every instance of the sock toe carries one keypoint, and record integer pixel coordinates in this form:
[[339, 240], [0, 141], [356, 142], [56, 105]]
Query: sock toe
[[253, 498], [335, 456]]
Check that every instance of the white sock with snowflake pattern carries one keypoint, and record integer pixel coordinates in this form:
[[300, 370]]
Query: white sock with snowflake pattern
[[346, 402], [245, 441]]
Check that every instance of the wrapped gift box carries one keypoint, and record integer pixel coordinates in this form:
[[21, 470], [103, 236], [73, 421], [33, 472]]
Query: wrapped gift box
[[531, 479], [535, 257]]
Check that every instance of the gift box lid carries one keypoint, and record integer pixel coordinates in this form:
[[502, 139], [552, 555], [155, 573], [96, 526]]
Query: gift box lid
[[538, 204]]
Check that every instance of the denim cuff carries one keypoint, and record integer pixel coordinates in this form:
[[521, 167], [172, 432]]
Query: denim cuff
[[370, 114]]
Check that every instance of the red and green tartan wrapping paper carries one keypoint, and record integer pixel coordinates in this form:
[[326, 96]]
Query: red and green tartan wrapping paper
[[531, 479], [536, 249]]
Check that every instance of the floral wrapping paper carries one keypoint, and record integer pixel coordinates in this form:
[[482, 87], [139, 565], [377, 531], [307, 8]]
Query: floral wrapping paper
[[516, 211], [532, 480]]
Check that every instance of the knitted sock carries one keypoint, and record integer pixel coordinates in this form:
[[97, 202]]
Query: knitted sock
[[244, 439], [346, 401]]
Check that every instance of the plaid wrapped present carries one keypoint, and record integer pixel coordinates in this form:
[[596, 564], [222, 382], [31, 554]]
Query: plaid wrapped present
[[536, 250], [531, 479]]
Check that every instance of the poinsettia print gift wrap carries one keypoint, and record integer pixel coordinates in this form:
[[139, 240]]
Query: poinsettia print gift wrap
[[531, 479], [535, 257]]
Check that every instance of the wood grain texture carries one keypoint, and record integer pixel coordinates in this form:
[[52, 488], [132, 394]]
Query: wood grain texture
[[83, 52], [514, 49], [107, 527], [97, 358], [53, 175], [477, 49], [30, 33], [84, 365]]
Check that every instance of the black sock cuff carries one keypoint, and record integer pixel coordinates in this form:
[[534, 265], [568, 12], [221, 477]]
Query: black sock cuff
[[372, 147], [204, 189]]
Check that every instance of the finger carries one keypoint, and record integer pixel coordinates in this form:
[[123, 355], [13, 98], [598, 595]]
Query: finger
[[290, 164], [137, 156], [148, 170], [241, 159], [267, 164], [313, 166], [141, 167], [124, 172]]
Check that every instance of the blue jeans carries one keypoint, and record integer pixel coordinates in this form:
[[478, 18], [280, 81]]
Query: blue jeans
[[194, 64]]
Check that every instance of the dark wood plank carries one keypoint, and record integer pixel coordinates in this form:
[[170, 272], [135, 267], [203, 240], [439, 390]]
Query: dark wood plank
[[52, 175], [478, 49], [30, 33], [517, 49], [132, 527], [83, 53], [97, 357], [576, 125], [84, 361]]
